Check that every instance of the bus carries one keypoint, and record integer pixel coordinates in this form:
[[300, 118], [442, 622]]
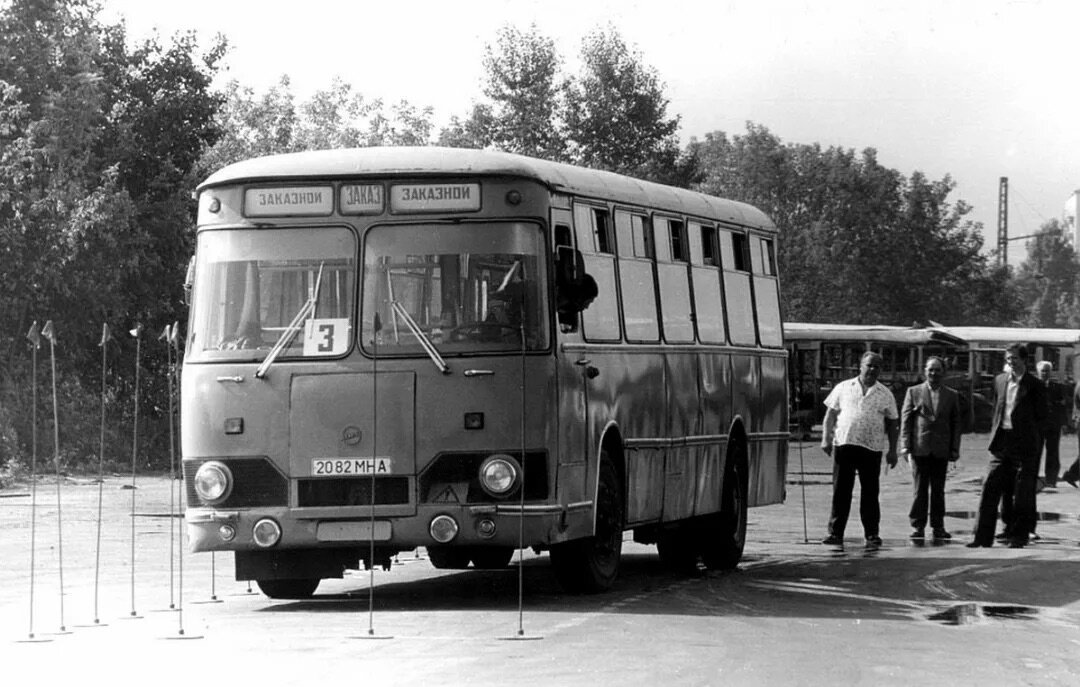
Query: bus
[[475, 353], [1061, 347], [823, 354]]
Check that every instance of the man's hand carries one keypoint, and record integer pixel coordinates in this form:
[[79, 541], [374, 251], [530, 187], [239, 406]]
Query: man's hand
[[827, 448], [890, 457]]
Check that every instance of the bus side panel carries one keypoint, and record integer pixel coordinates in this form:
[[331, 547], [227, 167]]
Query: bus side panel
[[715, 407], [681, 462], [635, 384], [767, 481]]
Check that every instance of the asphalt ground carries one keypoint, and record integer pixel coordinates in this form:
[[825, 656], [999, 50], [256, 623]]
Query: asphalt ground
[[795, 612]]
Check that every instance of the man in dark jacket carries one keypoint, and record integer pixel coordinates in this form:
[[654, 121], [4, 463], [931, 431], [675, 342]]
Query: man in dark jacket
[[1059, 405], [930, 441], [1019, 409]]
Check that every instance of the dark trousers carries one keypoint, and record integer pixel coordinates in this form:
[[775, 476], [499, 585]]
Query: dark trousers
[[928, 482], [1050, 437], [848, 460], [1014, 474]]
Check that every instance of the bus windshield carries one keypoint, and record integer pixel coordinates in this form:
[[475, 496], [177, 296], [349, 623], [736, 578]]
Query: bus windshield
[[466, 287], [252, 284]]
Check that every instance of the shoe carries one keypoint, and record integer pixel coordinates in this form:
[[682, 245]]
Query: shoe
[[1003, 536], [1035, 537], [918, 533], [1017, 543], [833, 540], [940, 533], [873, 542], [1071, 480], [977, 545]]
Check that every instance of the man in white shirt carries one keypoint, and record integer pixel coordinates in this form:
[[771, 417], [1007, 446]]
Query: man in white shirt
[[860, 420]]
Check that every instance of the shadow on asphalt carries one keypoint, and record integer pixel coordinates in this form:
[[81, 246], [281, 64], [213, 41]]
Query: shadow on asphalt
[[937, 587]]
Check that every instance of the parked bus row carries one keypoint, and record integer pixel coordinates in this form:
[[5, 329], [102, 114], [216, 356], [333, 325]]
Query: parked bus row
[[823, 354]]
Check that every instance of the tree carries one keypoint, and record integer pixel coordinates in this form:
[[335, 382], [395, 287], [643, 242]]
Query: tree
[[1048, 279], [97, 145], [860, 243], [334, 117], [617, 112]]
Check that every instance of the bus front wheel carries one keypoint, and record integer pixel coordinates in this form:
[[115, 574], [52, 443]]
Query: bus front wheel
[[288, 589], [449, 557], [591, 564], [492, 557]]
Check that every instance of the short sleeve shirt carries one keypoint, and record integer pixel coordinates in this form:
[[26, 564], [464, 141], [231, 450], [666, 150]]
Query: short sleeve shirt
[[861, 417]]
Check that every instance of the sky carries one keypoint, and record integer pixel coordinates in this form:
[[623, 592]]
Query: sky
[[973, 89]]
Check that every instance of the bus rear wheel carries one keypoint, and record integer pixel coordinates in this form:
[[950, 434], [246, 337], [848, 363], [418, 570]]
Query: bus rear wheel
[[449, 557], [301, 588], [591, 564], [724, 533]]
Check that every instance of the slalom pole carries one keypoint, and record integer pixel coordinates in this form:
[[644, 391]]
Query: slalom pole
[[374, 456], [137, 333], [105, 336], [34, 336], [802, 482], [166, 336], [49, 333], [521, 489]]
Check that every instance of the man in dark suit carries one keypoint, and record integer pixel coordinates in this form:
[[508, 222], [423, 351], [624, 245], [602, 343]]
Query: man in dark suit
[[1059, 405], [1019, 409], [929, 441]]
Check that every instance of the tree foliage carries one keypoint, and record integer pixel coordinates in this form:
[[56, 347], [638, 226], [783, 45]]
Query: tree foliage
[[1049, 278], [97, 146], [860, 243], [335, 117]]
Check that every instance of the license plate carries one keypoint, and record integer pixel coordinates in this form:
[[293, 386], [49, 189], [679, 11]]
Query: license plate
[[337, 467]]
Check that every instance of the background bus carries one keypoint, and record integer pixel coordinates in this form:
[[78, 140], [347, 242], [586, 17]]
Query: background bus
[[1061, 347], [400, 347], [823, 354]]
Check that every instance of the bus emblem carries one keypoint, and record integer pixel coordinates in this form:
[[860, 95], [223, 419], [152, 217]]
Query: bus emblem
[[350, 436]]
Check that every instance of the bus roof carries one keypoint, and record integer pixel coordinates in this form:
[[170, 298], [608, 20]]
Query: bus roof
[[811, 331], [430, 160], [1006, 335]]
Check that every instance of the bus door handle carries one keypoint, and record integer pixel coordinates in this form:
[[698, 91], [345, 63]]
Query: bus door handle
[[590, 371]]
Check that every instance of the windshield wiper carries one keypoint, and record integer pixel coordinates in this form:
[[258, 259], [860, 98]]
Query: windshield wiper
[[306, 310], [425, 342]]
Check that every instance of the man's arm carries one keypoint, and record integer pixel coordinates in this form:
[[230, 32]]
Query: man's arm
[[907, 423], [828, 427], [892, 429], [955, 426]]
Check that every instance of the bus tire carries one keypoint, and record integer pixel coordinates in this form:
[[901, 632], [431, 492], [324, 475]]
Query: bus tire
[[724, 534], [449, 557], [492, 557], [301, 588], [591, 564]]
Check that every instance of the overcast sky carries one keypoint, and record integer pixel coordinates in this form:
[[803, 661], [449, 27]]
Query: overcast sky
[[978, 89]]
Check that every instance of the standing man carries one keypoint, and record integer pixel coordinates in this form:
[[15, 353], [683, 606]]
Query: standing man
[[1058, 404], [1019, 409], [929, 441], [860, 417], [1072, 475]]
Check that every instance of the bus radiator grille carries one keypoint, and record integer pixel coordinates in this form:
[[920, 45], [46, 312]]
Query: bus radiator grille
[[351, 491]]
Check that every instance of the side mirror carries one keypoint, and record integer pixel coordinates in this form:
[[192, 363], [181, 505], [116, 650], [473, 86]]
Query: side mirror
[[189, 280]]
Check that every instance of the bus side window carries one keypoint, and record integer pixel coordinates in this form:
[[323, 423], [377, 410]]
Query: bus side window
[[594, 230]]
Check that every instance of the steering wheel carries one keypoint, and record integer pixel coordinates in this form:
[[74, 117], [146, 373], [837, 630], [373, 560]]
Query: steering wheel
[[483, 331]]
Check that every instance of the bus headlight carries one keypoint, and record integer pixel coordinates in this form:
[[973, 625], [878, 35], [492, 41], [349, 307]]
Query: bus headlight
[[443, 529], [213, 482], [266, 533], [499, 475]]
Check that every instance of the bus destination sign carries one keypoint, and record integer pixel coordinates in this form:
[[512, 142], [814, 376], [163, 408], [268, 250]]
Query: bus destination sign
[[281, 201], [434, 197], [361, 199]]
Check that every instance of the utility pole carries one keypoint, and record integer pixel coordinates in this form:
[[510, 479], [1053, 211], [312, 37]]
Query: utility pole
[[1003, 221]]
